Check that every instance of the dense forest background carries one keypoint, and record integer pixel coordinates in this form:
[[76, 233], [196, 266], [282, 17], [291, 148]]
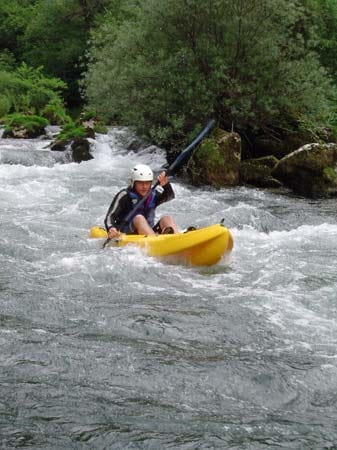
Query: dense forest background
[[261, 67]]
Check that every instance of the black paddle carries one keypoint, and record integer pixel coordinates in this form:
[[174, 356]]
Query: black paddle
[[181, 159]]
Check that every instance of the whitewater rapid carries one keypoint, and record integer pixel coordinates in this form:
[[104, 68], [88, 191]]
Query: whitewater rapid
[[114, 349]]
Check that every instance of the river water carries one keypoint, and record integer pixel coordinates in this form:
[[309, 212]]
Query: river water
[[109, 349]]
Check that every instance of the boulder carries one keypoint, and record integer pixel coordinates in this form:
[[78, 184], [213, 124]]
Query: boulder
[[26, 128], [89, 131], [257, 172], [81, 150], [217, 160], [16, 133], [59, 145], [310, 171]]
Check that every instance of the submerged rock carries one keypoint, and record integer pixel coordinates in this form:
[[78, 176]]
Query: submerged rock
[[310, 171], [217, 161]]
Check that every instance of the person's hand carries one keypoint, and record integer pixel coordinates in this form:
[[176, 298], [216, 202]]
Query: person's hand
[[163, 178], [113, 233]]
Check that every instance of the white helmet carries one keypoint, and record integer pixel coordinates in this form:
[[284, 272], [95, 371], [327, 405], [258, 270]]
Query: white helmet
[[141, 172]]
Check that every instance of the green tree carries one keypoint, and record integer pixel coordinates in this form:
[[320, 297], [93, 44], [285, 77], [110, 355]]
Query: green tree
[[325, 13], [52, 34], [56, 38], [169, 64], [14, 16], [27, 90]]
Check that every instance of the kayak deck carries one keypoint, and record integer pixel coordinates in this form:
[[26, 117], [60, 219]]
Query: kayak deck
[[201, 247]]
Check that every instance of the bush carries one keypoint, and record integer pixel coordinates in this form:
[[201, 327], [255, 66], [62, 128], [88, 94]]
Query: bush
[[55, 113], [34, 125], [71, 131], [25, 120], [28, 90], [5, 105]]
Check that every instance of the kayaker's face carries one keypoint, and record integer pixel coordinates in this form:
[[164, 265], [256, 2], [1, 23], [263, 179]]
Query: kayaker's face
[[142, 187]]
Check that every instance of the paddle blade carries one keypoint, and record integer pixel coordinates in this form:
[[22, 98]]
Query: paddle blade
[[98, 233]]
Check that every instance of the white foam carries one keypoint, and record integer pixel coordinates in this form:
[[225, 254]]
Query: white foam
[[275, 258]]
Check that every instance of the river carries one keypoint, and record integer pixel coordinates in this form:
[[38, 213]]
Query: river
[[110, 349]]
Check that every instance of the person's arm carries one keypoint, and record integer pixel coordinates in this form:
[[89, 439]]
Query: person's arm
[[168, 193], [116, 212]]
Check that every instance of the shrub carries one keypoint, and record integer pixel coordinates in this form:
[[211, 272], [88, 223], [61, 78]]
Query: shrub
[[71, 131], [5, 105], [28, 90], [34, 125], [55, 112]]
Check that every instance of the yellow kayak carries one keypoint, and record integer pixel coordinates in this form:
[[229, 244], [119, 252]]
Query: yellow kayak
[[201, 247]]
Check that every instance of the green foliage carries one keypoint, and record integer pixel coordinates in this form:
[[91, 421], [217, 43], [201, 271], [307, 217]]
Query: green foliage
[[171, 64], [28, 90], [5, 105], [56, 37], [325, 13], [7, 60], [90, 119], [164, 66], [71, 130], [14, 17], [329, 174], [52, 34], [88, 115], [99, 128], [29, 122], [54, 111], [209, 151]]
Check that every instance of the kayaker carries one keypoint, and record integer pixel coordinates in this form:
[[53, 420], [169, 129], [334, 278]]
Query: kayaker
[[143, 221]]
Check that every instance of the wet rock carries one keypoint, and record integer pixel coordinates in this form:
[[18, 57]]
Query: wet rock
[[59, 146], [135, 144], [257, 172], [21, 132], [81, 150], [217, 161], [310, 171], [90, 132]]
